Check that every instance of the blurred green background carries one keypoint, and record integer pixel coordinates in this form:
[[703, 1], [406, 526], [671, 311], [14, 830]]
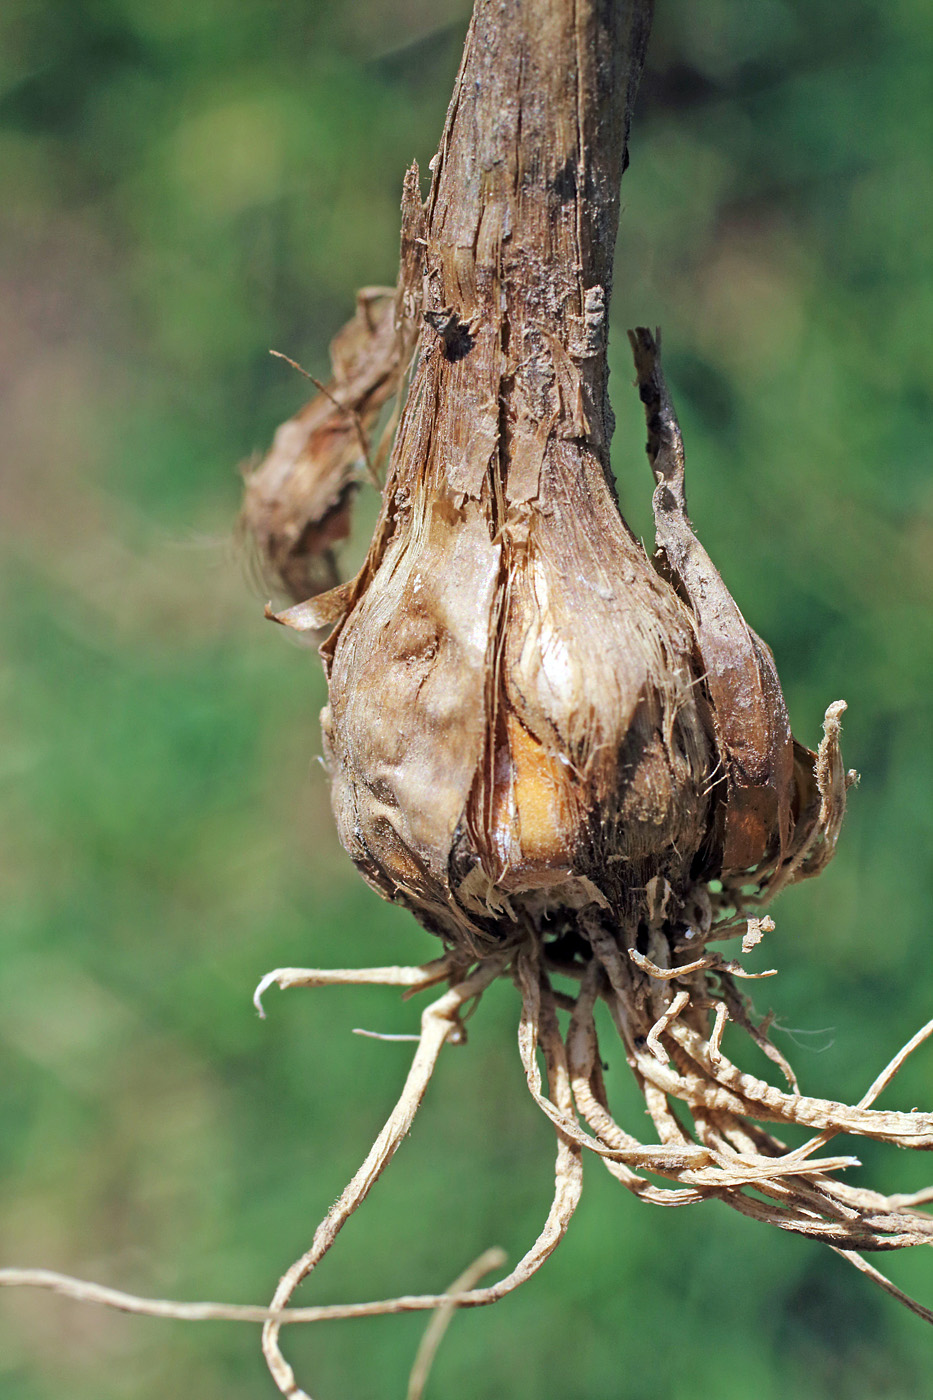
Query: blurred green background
[[182, 186]]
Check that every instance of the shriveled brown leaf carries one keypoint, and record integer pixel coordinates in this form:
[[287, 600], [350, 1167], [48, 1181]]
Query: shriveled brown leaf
[[298, 502]]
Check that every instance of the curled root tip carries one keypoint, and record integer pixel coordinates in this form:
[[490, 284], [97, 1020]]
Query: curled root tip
[[262, 987]]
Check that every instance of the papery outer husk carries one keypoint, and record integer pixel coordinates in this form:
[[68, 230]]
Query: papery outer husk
[[298, 502], [768, 778], [515, 723]]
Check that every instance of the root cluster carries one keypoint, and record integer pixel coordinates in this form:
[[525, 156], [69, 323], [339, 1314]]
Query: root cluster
[[708, 1116], [707, 1113]]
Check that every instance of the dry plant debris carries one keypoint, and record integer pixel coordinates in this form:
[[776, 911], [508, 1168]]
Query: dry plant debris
[[297, 505], [569, 760]]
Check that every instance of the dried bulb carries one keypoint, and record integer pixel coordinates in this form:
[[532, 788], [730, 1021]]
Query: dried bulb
[[524, 717], [527, 715], [513, 720]]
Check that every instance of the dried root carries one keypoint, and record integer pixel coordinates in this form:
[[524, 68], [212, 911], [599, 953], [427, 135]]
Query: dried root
[[672, 1037], [674, 1049]]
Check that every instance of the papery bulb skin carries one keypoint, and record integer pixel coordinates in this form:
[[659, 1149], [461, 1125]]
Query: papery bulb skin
[[515, 725], [298, 501]]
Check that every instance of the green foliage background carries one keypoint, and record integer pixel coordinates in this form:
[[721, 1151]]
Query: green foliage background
[[184, 185]]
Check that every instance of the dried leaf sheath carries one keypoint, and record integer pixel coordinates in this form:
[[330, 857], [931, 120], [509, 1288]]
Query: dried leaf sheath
[[752, 729], [297, 503]]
